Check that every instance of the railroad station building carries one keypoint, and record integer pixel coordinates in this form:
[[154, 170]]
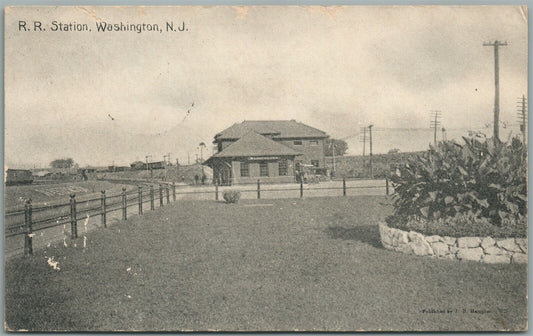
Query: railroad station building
[[273, 151]]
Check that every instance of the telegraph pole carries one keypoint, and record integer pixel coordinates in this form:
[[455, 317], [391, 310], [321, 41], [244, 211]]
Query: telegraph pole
[[202, 145], [522, 110], [435, 123], [371, 168], [496, 44], [333, 149], [177, 170], [147, 156], [332, 146], [165, 165], [148, 165], [363, 130]]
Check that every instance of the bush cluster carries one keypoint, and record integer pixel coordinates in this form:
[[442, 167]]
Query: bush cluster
[[231, 196], [469, 189], [463, 225], [359, 166]]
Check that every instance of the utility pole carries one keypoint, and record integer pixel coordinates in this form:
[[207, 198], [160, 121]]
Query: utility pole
[[165, 165], [435, 123], [148, 166], [333, 145], [522, 110], [202, 145], [443, 134], [177, 170], [363, 130], [147, 156], [188, 159], [496, 44], [371, 168]]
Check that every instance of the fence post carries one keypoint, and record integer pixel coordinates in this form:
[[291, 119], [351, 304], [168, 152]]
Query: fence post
[[160, 195], [124, 205], [301, 189], [167, 191], [28, 247], [344, 186], [258, 189], [140, 200], [216, 191], [73, 219], [174, 191], [152, 207], [103, 210], [387, 185]]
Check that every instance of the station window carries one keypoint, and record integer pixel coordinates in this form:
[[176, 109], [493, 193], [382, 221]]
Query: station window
[[283, 168], [245, 169], [313, 142], [263, 169], [297, 142]]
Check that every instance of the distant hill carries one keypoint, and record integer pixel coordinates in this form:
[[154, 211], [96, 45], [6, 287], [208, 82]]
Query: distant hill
[[359, 166]]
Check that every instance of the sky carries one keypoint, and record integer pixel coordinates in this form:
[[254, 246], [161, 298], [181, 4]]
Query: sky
[[115, 97]]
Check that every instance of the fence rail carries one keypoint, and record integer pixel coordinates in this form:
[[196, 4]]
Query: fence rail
[[30, 220]]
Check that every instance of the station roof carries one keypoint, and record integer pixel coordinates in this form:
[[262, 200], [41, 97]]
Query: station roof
[[254, 144], [275, 128]]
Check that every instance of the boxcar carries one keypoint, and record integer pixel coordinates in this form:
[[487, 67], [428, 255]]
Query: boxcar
[[18, 176]]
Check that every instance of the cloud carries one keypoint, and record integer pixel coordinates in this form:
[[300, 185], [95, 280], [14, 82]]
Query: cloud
[[333, 68]]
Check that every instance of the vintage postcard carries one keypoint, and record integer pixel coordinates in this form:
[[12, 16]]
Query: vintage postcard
[[266, 168]]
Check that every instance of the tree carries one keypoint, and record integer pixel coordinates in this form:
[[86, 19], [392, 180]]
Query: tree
[[62, 163], [394, 151], [137, 165], [340, 147]]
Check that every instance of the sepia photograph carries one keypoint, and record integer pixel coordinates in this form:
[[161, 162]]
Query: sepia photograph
[[265, 168]]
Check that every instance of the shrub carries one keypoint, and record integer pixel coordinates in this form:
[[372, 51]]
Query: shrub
[[478, 183], [463, 225], [231, 196]]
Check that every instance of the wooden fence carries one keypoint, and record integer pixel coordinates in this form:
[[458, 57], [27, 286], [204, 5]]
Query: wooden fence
[[44, 217]]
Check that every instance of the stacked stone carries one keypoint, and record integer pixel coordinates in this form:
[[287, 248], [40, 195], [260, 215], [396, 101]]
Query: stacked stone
[[486, 250]]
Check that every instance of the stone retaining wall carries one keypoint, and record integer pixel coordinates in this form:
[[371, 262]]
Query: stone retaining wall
[[486, 250]]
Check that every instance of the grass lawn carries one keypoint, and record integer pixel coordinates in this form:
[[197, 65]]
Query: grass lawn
[[292, 264]]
